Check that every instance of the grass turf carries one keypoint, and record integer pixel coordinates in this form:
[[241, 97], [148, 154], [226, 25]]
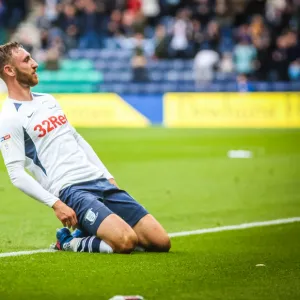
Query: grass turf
[[186, 180]]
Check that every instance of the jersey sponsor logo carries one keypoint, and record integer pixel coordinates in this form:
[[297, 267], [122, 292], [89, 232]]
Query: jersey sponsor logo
[[50, 124], [5, 138]]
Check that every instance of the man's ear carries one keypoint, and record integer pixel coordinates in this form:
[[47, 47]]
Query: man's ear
[[9, 70]]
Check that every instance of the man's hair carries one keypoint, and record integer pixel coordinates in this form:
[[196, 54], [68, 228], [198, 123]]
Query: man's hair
[[6, 54]]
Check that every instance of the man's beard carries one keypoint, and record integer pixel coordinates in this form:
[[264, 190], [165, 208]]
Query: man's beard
[[26, 79]]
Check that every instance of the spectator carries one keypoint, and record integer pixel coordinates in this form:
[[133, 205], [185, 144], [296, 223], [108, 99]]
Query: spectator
[[42, 21], [79, 7], [134, 6], [293, 50], [240, 16], [51, 11], [223, 16], [151, 10], [161, 42], [226, 65], [274, 9], [115, 26], [139, 69], [243, 84], [294, 70], [243, 32], [263, 61], [139, 23], [71, 37], [127, 21], [52, 59], [55, 34], [258, 30], [69, 24], [244, 57], [138, 41], [278, 14], [102, 6], [44, 39], [213, 36], [59, 45], [205, 64], [262, 42], [280, 59], [203, 10], [284, 54], [89, 26], [68, 17], [180, 46], [197, 35]]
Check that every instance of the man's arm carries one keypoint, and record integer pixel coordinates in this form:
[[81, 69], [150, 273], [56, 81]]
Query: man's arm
[[32, 188], [28, 185], [12, 148]]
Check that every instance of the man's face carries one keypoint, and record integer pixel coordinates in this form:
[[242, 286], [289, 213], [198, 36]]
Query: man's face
[[25, 67]]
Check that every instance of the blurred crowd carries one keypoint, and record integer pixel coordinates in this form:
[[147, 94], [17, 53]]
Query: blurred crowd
[[257, 39]]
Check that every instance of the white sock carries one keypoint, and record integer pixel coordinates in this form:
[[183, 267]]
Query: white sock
[[90, 244]]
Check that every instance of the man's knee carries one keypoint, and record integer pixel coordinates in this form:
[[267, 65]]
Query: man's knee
[[163, 243], [126, 243], [152, 235], [117, 234]]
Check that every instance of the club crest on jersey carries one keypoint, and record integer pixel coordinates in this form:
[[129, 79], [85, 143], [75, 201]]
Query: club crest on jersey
[[50, 124], [5, 138], [90, 216]]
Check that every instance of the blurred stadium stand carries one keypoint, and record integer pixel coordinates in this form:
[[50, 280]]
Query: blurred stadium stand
[[158, 46]]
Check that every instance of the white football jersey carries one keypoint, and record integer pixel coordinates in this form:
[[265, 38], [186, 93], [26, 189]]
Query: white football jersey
[[38, 133]]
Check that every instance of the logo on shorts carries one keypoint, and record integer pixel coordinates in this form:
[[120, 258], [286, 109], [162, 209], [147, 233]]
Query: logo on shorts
[[90, 216]]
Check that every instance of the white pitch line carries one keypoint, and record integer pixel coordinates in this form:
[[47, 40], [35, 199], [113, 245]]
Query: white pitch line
[[182, 233], [236, 227], [29, 252]]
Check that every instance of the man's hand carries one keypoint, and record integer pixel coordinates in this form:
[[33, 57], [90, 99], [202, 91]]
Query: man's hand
[[65, 214], [112, 181]]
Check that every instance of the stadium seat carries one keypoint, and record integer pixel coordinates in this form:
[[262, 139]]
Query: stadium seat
[[70, 76], [262, 86], [112, 76], [64, 88], [76, 65]]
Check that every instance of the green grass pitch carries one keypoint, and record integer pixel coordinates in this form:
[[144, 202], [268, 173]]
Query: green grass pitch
[[183, 177]]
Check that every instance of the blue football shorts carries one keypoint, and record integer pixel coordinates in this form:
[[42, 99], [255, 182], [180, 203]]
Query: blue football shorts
[[94, 200]]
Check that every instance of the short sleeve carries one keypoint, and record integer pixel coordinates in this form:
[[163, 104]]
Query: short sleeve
[[12, 141]]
